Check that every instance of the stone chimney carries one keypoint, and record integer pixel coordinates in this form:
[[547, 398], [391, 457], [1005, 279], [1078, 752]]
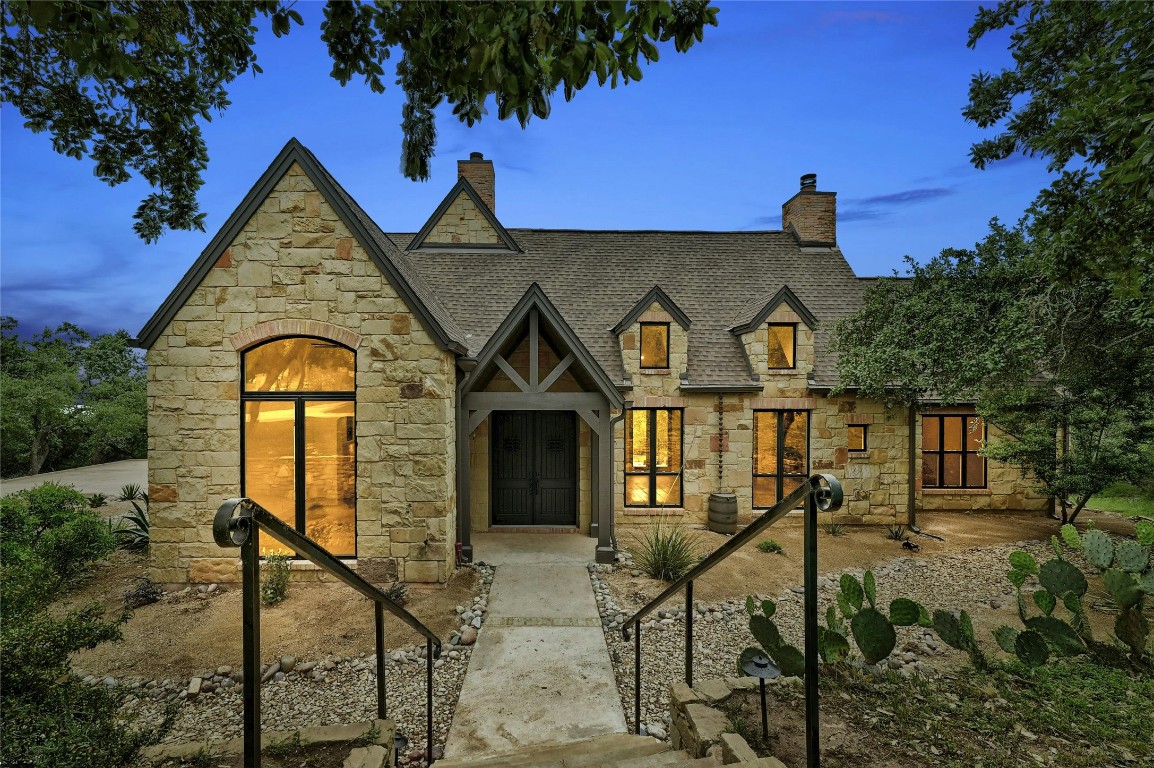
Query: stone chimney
[[812, 215], [479, 172]]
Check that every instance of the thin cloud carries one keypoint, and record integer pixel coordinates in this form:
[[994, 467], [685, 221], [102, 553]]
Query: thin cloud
[[880, 206]]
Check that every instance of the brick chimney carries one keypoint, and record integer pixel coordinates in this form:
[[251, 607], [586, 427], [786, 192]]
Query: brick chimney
[[812, 215], [479, 172]]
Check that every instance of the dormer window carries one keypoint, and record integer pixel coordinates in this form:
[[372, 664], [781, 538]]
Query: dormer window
[[655, 345], [782, 345]]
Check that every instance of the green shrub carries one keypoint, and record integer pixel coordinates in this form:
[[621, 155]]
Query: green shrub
[[665, 551], [50, 536], [274, 578], [834, 529], [769, 545], [97, 500]]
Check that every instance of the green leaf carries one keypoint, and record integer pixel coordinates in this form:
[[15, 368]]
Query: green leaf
[[1024, 562], [1006, 637], [870, 589], [852, 589], [905, 612]]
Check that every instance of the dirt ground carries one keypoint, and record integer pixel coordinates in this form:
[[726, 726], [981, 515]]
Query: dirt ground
[[185, 635]]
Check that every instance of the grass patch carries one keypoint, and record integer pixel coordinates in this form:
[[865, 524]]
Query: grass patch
[[769, 545], [1075, 713], [1123, 499]]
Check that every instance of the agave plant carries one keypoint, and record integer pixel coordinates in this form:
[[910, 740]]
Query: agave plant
[[133, 530], [132, 492]]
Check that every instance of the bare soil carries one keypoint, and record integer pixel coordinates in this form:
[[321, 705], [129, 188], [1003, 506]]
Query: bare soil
[[186, 633]]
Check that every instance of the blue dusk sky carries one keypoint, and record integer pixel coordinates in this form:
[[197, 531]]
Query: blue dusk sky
[[866, 95]]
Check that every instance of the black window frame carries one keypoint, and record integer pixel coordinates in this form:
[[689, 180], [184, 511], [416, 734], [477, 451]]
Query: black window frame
[[941, 451], [865, 437], [652, 472], [641, 346], [793, 352], [299, 398], [779, 476]]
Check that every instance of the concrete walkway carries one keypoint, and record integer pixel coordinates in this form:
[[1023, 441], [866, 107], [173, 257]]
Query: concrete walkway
[[98, 478], [540, 671]]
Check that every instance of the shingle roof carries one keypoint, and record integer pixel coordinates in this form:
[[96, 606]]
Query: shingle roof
[[595, 277]]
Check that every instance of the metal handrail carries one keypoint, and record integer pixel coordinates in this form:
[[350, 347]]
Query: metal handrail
[[821, 492], [238, 523]]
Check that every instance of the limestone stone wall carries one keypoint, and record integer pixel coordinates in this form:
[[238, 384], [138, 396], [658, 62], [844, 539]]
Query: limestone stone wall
[[296, 269], [463, 222], [756, 344], [665, 381]]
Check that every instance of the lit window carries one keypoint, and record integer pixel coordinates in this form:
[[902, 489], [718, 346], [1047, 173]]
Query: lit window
[[782, 344], [950, 457], [780, 454], [655, 345], [653, 458], [857, 437], [299, 458]]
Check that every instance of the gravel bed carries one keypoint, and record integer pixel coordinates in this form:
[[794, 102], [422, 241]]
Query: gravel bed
[[330, 691], [969, 580]]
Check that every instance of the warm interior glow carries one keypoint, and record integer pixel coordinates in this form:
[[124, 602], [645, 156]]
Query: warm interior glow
[[781, 343], [299, 364], [654, 345], [857, 437], [269, 460], [639, 440]]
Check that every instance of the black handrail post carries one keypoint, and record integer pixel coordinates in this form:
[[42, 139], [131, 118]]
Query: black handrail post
[[637, 678], [689, 633], [812, 740], [429, 699], [382, 708], [250, 565]]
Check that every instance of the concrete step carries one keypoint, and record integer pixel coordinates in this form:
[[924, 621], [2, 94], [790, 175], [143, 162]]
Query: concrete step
[[597, 751]]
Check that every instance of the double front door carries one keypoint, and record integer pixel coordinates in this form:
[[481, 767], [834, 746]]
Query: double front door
[[534, 468]]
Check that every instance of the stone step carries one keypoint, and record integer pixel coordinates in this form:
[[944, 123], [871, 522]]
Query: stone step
[[659, 760], [597, 751]]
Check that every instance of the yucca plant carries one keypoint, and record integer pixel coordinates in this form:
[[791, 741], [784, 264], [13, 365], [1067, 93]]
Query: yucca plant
[[896, 532], [133, 531], [665, 551]]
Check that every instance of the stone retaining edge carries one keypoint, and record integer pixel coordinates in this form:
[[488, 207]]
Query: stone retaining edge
[[316, 734]]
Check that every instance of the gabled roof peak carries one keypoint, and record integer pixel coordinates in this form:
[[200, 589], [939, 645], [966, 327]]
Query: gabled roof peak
[[757, 311], [656, 294], [424, 238]]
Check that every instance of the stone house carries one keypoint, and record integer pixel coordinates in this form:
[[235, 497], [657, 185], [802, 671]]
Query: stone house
[[389, 394]]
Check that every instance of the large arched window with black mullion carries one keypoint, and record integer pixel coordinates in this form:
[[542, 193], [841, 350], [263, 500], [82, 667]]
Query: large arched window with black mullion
[[298, 437]]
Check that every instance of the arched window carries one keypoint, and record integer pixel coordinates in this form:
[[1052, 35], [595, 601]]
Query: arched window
[[299, 437]]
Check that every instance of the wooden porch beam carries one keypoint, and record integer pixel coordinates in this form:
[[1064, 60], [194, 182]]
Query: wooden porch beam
[[536, 401], [503, 364], [555, 374]]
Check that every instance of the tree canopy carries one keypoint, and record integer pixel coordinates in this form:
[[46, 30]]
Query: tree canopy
[[70, 399], [1081, 95], [128, 83]]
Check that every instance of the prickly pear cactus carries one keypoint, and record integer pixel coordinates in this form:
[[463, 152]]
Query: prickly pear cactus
[[788, 659], [1030, 647], [1132, 629], [874, 634], [1061, 576], [832, 645], [1006, 637], [1023, 562], [1059, 635], [1131, 556], [871, 588], [905, 613], [1071, 537], [1098, 548], [851, 590], [1123, 587], [950, 630], [1144, 531], [1046, 601]]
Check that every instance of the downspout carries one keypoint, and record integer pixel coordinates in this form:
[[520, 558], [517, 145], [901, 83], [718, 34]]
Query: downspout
[[613, 517], [464, 544], [911, 475]]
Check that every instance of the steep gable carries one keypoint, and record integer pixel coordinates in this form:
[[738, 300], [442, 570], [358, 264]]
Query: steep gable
[[463, 221], [294, 158]]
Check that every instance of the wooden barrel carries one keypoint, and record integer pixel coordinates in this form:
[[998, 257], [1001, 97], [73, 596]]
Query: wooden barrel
[[723, 512]]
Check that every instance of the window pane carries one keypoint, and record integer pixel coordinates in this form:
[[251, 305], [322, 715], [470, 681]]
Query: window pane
[[781, 338], [654, 345], [637, 441], [662, 456], [930, 470], [795, 458], [330, 476], [673, 439], [930, 433], [789, 485], [953, 429], [857, 435], [269, 464], [299, 365], [637, 490], [975, 471], [952, 471], [974, 433], [669, 490], [764, 491], [765, 435]]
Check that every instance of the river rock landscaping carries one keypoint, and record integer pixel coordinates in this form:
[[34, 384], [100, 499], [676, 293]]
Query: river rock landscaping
[[327, 691]]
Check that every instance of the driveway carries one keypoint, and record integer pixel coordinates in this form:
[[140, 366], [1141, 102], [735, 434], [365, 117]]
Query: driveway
[[98, 478]]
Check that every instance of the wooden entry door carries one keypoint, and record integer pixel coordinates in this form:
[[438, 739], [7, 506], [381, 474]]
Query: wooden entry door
[[534, 468]]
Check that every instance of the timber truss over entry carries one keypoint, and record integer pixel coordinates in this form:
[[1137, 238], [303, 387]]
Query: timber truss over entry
[[534, 321]]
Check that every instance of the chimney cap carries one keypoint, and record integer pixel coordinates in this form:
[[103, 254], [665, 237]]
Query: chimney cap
[[476, 156], [809, 181]]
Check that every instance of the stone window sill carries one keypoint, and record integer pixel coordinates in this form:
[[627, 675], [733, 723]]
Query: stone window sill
[[655, 371], [309, 565], [652, 511], [957, 491]]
